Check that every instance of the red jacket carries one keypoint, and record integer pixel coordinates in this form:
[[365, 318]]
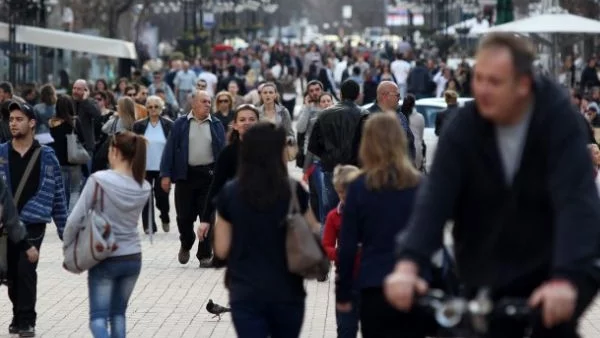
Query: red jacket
[[331, 233]]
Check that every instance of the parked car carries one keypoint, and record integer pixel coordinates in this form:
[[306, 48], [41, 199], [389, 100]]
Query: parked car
[[429, 108]]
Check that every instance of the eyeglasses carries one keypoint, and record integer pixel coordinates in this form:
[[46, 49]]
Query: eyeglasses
[[223, 101], [153, 107]]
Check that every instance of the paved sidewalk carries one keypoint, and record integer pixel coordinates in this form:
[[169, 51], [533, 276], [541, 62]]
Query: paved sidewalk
[[168, 300]]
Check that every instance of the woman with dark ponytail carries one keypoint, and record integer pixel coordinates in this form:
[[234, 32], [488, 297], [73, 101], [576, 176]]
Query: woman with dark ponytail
[[244, 117], [123, 191]]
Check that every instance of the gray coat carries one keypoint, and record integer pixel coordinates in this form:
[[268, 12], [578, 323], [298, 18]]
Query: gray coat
[[282, 118]]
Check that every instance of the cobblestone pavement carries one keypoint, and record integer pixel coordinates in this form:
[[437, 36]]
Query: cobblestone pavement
[[169, 298]]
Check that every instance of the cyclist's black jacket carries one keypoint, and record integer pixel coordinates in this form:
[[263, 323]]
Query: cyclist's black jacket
[[546, 224]]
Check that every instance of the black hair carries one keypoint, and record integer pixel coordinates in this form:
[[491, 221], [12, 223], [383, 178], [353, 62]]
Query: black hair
[[234, 136], [408, 105], [350, 90], [7, 87], [262, 173], [65, 109]]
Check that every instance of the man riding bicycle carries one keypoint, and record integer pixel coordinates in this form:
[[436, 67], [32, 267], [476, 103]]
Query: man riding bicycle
[[512, 171]]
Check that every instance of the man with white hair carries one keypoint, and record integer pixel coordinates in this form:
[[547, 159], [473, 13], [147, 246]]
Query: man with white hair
[[188, 160]]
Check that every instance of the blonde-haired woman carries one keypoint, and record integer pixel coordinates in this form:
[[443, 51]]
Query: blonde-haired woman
[[223, 108], [124, 118], [155, 129], [270, 110], [378, 205]]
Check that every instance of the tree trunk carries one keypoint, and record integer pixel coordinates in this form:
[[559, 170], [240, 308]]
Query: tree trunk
[[521, 8], [115, 12], [142, 16], [112, 24]]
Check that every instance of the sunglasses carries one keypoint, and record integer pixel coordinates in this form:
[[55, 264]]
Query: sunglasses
[[153, 107]]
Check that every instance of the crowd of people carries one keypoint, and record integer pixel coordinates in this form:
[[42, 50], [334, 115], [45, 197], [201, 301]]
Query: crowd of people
[[512, 172]]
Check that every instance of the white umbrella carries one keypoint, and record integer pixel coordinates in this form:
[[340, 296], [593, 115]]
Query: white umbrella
[[551, 23]]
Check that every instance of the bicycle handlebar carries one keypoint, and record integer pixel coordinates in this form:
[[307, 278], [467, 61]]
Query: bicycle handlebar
[[450, 311]]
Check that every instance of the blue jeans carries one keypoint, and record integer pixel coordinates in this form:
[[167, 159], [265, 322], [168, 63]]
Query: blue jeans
[[347, 322], [110, 284], [317, 197], [331, 197], [72, 182], [263, 319]]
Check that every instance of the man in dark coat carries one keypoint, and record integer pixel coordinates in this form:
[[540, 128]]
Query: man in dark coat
[[513, 172]]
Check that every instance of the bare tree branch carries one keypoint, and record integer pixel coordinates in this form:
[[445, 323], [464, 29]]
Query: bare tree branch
[[124, 7]]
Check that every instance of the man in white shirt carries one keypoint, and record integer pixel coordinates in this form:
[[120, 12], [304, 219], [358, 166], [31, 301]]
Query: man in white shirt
[[210, 78], [400, 68], [184, 82]]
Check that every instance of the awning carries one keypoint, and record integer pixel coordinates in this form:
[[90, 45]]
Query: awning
[[551, 23], [71, 41]]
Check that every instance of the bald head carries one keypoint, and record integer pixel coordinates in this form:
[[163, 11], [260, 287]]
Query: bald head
[[388, 95], [80, 89], [201, 101], [386, 86]]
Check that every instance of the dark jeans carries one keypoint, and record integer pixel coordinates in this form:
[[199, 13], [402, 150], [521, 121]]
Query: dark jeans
[[315, 187], [22, 278], [190, 196], [347, 322], [380, 320], [267, 319], [162, 201], [331, 198], [290, 105]]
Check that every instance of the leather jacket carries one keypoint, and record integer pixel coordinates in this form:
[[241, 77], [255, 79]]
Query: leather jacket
[[333, 138]]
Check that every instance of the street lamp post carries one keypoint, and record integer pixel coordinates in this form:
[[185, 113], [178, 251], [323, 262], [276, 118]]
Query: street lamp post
[[12, 45]]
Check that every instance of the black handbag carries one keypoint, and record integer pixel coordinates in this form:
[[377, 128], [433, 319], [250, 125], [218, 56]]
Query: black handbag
[[100, 160]]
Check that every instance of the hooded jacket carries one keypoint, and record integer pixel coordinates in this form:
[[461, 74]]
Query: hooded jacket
[[544, 225], [124, 200]]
